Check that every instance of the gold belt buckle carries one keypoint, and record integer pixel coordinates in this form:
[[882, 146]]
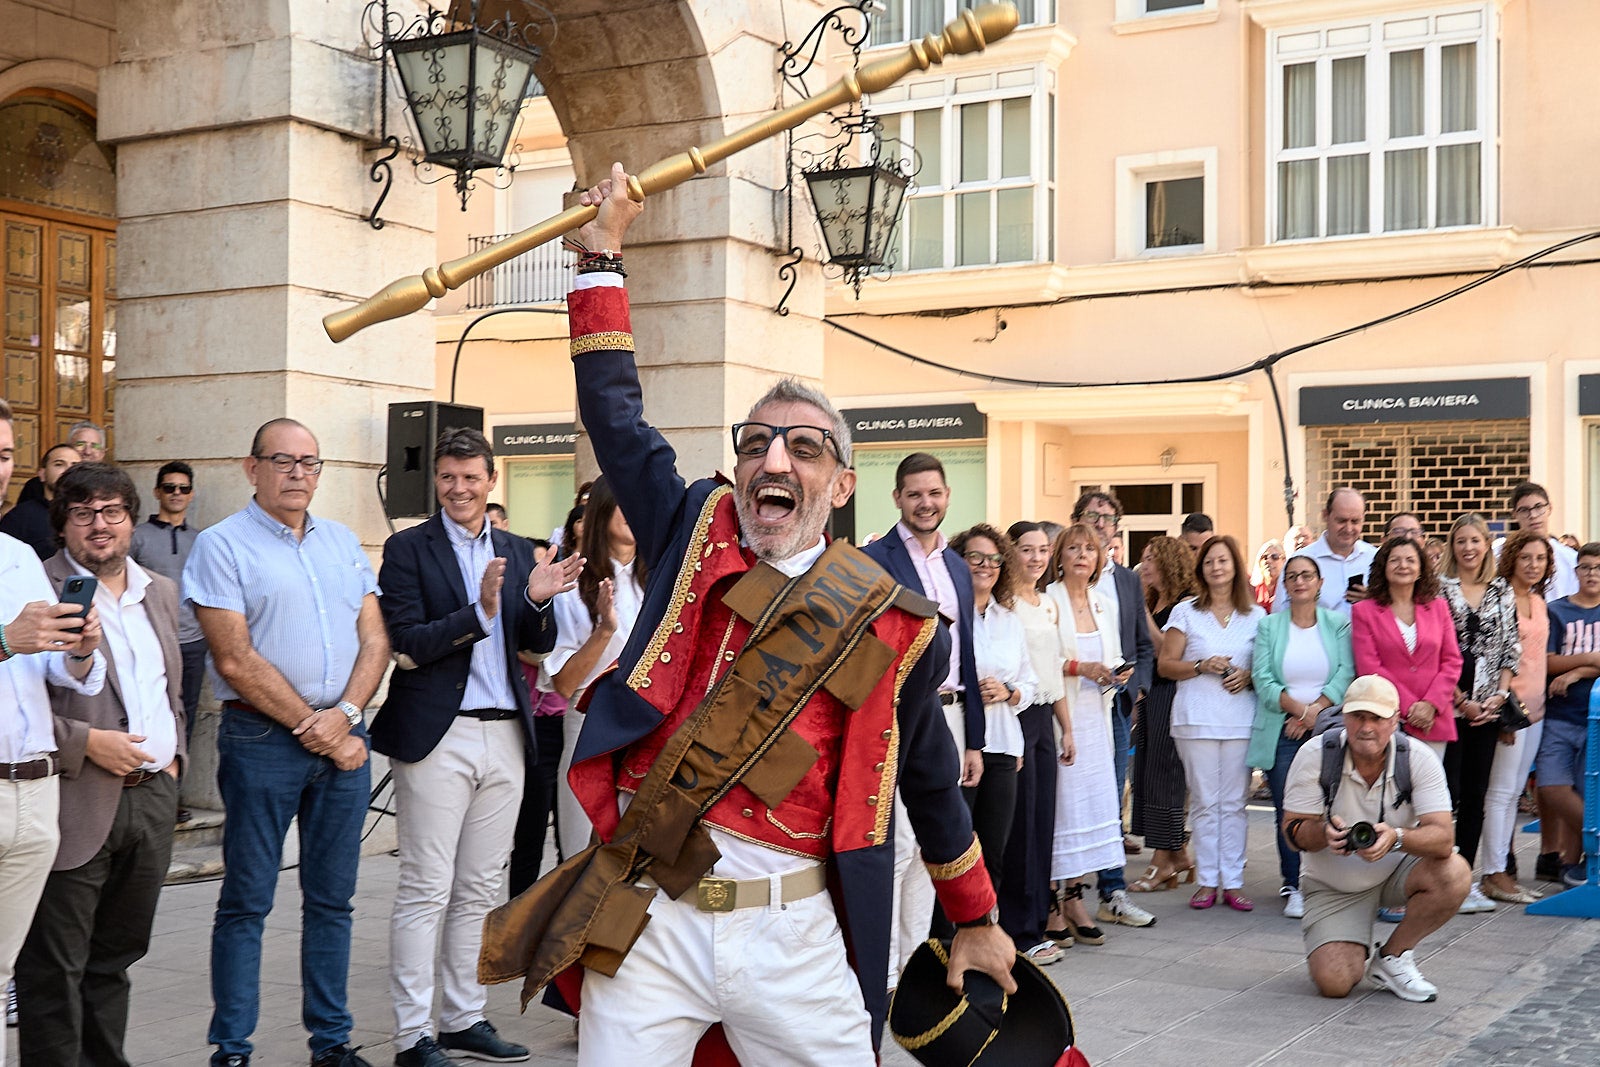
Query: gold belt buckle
[[716, 894]]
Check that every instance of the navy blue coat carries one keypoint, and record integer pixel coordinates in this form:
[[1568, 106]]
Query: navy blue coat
[[1135, 634], [662, 511], [431, 619], [891, 554]]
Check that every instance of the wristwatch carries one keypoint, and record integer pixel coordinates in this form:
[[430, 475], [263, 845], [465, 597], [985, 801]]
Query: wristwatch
[[1399, 840], [350, 712], [988, 918]]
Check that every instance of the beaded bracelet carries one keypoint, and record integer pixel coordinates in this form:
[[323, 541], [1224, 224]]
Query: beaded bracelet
[[5, 648]]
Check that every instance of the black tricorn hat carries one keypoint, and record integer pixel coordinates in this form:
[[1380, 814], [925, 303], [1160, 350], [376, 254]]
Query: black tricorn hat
[[984, 1026]]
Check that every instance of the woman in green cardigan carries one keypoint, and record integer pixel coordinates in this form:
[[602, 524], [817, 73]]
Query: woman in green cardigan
[[1303, 664]]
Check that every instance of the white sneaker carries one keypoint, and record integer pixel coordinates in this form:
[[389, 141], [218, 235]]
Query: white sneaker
[[1294, 905], [1399, 975], [1475, 902], [1119, 909]]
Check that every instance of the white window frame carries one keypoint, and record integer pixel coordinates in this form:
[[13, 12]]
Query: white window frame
[[1133, 16], [1134, 175], [1045, 10], [897, 123], [1387, 33]]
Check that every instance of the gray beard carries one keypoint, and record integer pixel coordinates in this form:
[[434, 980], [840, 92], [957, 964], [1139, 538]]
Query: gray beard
[[812, 519]]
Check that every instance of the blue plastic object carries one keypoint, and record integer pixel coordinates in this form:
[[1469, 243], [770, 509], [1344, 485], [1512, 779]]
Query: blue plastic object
[[1583, 902]]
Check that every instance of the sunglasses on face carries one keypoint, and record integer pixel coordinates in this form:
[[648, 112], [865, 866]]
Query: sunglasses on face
[[174, 487]]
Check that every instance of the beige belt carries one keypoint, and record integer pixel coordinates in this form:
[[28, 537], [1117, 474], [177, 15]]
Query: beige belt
[[728, 894]]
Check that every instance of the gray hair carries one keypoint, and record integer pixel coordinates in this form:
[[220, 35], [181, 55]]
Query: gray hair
[[85, 424], [794, 391]]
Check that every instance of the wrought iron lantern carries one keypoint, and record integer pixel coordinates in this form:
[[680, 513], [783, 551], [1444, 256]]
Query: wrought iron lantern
[[858, 209], [464, 75]]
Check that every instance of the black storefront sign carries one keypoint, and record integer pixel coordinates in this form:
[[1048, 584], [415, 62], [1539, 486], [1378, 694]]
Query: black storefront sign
[[934, 422], [536, 439], [1449, 401]]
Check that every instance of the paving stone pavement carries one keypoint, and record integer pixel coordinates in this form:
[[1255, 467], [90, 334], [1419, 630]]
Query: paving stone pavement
[[1213, 987]]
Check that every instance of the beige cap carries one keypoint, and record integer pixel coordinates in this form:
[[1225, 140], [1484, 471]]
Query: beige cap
[[1373, 693]]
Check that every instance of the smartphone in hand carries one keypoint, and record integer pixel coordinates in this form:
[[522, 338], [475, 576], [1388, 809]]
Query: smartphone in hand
[[79, 590]]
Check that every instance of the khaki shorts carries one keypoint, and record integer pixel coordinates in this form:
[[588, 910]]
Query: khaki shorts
[[1334, 915]]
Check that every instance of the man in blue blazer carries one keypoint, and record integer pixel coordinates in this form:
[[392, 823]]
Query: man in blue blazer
[[1102, 513], [455, 725], [917, 556]]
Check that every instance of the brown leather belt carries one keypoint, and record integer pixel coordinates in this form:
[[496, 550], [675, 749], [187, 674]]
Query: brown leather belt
[[33, 769], [134, 778]]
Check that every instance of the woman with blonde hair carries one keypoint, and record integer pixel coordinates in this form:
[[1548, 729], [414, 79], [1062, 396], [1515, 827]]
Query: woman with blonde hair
[[1484, 610], [1208, 649], [1264, 575], [1088, 830], [1160, 795]]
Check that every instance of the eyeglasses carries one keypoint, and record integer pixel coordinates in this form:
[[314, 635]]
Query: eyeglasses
[[1528, 511], [113, 514], [283, 463], [984, 559], [752, 439], [1272, 557], [1588, 568], [174, 487], [1301, 576], [85, 447], [1101, 518]]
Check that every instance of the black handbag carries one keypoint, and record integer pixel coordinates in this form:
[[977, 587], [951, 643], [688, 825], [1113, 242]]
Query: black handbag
[[1513, 716]]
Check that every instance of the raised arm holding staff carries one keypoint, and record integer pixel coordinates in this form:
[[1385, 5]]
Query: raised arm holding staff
[[973, 31]]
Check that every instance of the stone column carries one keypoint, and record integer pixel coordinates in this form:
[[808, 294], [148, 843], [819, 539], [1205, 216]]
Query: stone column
[[243, 132]]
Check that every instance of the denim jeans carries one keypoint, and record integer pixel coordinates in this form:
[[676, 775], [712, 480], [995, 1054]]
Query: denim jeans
[[1288, 858], [1112, 878], [267, 778]]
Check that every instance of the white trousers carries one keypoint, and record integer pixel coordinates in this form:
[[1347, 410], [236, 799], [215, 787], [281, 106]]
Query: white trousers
[[1507, 776], [775, 977], [456, 816], [30, 830], [913, 895], [573, 828], [1219, 786]]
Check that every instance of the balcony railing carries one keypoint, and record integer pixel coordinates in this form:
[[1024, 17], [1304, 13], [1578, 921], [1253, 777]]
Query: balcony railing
[[543, 276]]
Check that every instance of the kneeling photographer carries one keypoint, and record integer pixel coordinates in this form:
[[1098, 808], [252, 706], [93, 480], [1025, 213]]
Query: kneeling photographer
[[1372, 811]]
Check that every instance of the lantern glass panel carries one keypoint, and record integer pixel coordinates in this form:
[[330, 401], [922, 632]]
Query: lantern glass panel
[[841, 198], [502, 75], [434, 73], [891, 190]]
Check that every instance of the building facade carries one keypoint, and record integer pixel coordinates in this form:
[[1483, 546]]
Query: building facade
[[1127, 209]]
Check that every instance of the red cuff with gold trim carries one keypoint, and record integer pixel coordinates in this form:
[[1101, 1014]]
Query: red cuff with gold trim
[[599, 320], [963, 885]]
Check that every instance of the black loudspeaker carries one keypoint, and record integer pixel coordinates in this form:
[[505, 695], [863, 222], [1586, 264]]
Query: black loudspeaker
[[413, 431]]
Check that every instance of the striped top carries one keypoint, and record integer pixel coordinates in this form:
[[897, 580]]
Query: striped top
[[300, 598]]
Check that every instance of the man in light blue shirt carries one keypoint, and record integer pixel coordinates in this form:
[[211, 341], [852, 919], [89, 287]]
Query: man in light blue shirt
[[289, 606], [1341, 555]]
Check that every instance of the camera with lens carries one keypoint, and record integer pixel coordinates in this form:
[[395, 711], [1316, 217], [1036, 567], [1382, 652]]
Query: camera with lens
[[1362, 835]]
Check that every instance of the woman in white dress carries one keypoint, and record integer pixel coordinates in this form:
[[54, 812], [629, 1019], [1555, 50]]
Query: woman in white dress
[[1208, 649], [1088, 830], [593, 622]]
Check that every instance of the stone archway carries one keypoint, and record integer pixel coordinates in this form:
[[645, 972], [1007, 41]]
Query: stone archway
[[644, 80]]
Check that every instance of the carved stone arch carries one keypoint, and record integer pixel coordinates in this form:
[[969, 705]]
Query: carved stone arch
[[63, 75]]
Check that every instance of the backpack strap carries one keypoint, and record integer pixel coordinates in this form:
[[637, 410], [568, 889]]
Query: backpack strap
[[1402, 768], [1332, 766]]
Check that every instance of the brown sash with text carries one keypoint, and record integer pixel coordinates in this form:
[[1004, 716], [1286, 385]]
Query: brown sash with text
[[808, 633]]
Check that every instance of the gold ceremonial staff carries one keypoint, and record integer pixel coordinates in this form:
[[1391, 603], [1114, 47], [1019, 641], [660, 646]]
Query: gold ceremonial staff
[[973, 31]]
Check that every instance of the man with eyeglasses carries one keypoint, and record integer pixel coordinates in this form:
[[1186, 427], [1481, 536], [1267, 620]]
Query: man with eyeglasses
[[809, 681], [41, 642], [120, 752], [162, 544], [1102, 512], [1531, 511], [1341, 555], [289, 607], [89, 439], [29, 519]]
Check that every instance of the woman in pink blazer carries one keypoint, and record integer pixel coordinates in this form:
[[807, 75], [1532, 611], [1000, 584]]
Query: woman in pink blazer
[[1403, 631]]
